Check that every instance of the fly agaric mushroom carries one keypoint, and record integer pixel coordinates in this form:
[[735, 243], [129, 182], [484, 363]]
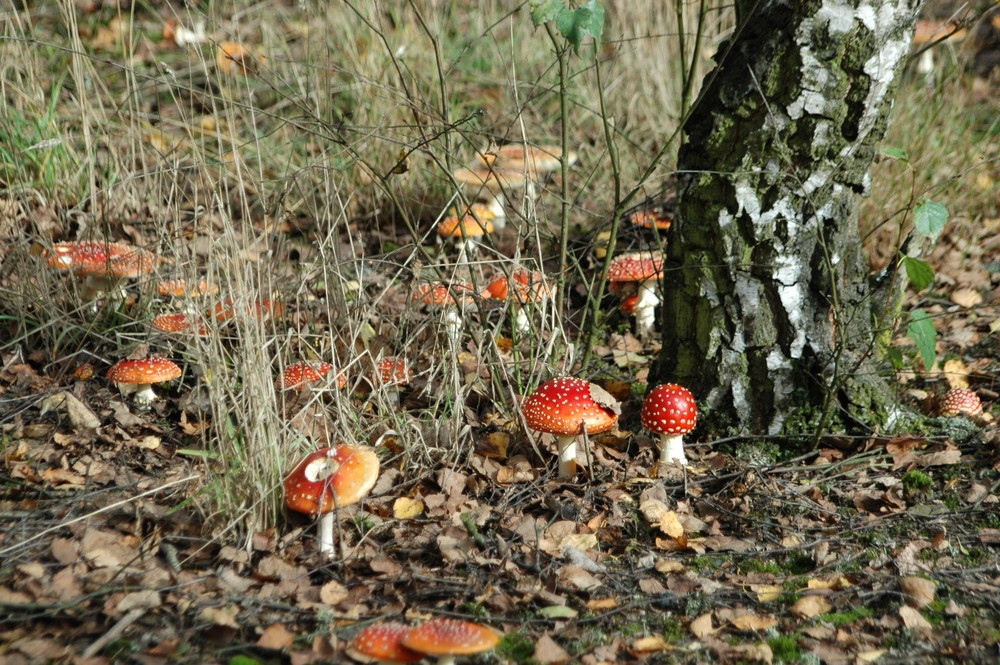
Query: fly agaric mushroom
[[301, 374], [178, 323], [645, 268], [521, 288], [651, 218], [447, 638], [568, 407], [138, 376], [260, 310], [329, 479], [529, 158], [465, 229], [490, 184], [450, 298], [958, 401], [393, 374], [178, 288], [104, 264], [670, 410], [383, 642]]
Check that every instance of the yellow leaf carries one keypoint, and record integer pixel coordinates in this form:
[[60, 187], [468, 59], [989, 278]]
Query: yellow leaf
[[702, 626], [405, 508], [671, 525], [869, 656], [956, 373], [753, 622], [767, 593], [650, 644], [836, 583]]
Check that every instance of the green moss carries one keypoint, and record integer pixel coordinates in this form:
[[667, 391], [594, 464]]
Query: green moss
[[518, 647], [844, 618], [760, 566], [785, 648], [672, 629], [917, 481]]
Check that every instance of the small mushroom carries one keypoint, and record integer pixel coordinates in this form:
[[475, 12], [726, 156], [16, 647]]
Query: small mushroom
[[329, 479], [447, 638], [301, 375], [490, 185], [392, 374], [467, 228], [103, 264], [959, 401], [671, 411], [383, 642], [521, 288], [138, 376], [645, 268], [450, 298], [568, 407]]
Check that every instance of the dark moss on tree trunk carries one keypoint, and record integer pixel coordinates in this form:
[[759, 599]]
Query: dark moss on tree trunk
[[768, 308]]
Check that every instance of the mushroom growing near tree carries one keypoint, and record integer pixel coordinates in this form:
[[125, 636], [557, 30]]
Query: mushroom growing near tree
[[646, 268], [959, 401], [138, 376], [447, 638], [329, 479], [671, 411], [568, 407]]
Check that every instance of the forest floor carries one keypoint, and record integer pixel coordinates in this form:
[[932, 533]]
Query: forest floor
[[115, 546]]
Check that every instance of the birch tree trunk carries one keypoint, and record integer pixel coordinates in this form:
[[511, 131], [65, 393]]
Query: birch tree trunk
[[767, 308]]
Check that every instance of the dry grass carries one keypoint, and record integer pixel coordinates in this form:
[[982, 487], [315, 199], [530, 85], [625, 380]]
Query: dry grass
[[347, 129]]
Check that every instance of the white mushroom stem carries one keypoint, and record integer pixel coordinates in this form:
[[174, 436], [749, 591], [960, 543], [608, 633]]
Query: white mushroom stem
[[495, 203], [521, 322], [95, 286], [645, 307], [326, 534], [453, 325], [567, 455], [672, 448]]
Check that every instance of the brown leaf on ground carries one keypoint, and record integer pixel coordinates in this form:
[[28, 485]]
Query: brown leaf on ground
[[701, 627], [548, 652], [276, 637], [917, 591], [807, 607], [913, 620]]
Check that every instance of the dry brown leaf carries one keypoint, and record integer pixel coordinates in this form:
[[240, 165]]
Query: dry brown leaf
[[671, 525], [333, 593], [807, 607], [577, 578], [548, 652], [750, 653], [221, 616], [838, 583], [913, 620], [753, 622], [600, 604], [918, 591], [276, 637], [79, 413], [869, 656], [145, 600], [767, 593], [956, 373], [668, 566], [966, 297], [702, 626], [651, 644]]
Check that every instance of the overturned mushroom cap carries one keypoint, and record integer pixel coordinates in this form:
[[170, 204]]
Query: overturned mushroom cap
[[145, 371], [331, 477], [568, 406], [446, 637], [384, 642]]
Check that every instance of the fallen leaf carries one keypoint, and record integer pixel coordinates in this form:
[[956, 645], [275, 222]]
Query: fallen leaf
[[913, 620], [276, 637], [333, 593], [767, 593], [651, 644], [702, 626], [671, 525], [753, 622], [918, 591], [548, 652], [869, 656], [807, 607], [405, 508], [966, 297], [79, 413]]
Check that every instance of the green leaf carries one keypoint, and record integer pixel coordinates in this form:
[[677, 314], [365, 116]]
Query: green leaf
[[557, 612], [920, 272], [921, 330], [895, 153], [929, 219], [543, 11], [587, 20]]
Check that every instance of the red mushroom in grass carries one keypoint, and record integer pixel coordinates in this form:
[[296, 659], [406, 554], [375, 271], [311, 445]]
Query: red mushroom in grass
[[959, 401], [383, 643], [138, 376], [468, 228], [329, 479], [104, 264], [521, 288], [392, 374], [568, 407], [451, 299], [670, 410], [447, 638], [302, 374], [179, 323], [645, 268]]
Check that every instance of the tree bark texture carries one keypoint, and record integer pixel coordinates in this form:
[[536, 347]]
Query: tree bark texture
[[767, 306]]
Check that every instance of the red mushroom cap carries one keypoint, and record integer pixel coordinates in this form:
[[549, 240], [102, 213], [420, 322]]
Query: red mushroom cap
[[299, 374], [331, 477], [442, 294], [179, 288], [650, 218], [566, 406], [522, 286], [669, 409], [961, 400], [628, 307], [102, 259], [384, 642], [263, 309], [394, 371], [147, 370], [445, 637], [636, 267], [178, 323]]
